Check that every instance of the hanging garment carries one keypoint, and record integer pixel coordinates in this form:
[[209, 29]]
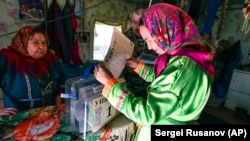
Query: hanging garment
[[70, 26], [31, 10], [75, 48], [212, 7], [57, 34]]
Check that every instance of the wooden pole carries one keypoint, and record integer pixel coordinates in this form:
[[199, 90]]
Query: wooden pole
[[222, 19]]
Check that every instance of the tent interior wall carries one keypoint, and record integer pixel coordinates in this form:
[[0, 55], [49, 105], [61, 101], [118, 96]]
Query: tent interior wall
[[109, 9], [120, 10]]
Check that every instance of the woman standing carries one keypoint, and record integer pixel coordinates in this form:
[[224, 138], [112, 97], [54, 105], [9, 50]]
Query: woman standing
[[181, 78]]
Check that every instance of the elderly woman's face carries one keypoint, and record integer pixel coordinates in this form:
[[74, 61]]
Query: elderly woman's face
[[150, 41], [37, 46]]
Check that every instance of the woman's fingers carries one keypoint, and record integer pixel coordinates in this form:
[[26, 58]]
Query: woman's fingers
[[102, 74]]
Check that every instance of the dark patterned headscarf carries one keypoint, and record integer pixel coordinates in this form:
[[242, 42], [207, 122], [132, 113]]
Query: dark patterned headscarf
[[176, 33], [20, 40], [18, 58]]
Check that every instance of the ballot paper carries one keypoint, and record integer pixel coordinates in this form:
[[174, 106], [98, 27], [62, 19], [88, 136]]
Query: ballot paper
[[119, 50], [89, 110]]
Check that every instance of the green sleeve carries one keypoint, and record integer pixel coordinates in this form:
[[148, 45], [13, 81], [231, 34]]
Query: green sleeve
[[177, 96], [147, 73]]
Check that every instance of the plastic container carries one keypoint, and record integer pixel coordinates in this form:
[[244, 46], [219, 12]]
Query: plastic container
[[89, 110]]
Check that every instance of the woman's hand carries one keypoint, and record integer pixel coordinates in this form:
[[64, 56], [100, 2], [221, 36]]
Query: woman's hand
[[131, 64], [102, 74], [59, 100], [7, 111]]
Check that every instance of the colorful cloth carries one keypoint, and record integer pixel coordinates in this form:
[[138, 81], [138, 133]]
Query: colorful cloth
[[176, 96], [52, 123], [212, 7], [23, 79], [57, 34], [178, 91], [33, 124], [177, 34], [75, 47], [31, 10]]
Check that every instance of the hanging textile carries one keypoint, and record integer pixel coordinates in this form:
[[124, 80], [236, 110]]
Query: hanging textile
[[31, 10], [70, 26], [59, 41], [246, 13], [67, 22], [75, 48], [212, 7]]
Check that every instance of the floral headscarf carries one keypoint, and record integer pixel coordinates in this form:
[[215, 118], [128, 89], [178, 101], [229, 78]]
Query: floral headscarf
[[20, 40], [18, 58], [176, 33]]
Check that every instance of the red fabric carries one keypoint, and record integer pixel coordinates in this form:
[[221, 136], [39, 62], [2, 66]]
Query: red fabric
[[75, 48], [18, 58], [26, 64], [248, 8], [41, 124]]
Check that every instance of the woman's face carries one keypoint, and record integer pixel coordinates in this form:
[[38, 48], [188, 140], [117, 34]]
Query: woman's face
[[37, 46], [150, 41]]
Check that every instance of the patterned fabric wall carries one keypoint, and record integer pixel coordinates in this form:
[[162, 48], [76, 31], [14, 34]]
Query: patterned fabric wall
[[9, 21]]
